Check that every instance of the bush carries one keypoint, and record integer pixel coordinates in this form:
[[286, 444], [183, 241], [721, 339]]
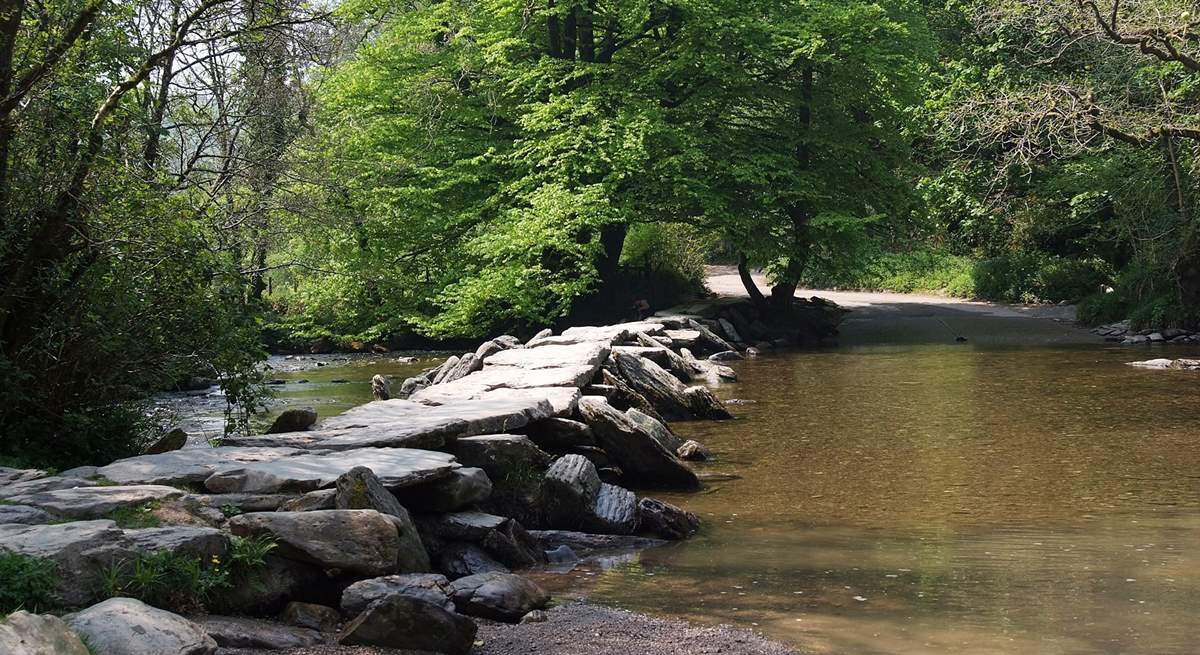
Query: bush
[[26, 583], [183, 582], [1071, 279], [1102, 307]]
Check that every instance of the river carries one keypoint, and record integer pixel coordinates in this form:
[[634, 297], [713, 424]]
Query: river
[[1023, 491]]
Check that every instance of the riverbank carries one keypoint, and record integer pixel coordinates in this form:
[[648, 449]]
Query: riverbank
[[583, 629], [400, 513]]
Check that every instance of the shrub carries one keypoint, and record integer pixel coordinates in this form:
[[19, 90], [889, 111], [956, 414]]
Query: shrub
[[1071, 279], [184, 582], [26, 583], [1101, 307]]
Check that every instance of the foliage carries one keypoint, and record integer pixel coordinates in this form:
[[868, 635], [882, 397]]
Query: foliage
[[136, 516], [183, 581], [28, 583]]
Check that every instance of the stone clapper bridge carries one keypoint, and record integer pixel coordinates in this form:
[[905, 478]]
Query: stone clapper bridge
[[405, 513]]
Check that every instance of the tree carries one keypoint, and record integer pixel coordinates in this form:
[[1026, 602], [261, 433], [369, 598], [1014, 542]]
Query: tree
[[1090, 78], [113, 281], [491, 158]]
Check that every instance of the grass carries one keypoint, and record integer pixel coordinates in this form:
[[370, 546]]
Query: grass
[[183, 582], [522, 475], [27, 583], [136, 516]]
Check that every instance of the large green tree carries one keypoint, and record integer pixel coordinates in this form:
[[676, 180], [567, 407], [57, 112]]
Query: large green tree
[[490, 157]]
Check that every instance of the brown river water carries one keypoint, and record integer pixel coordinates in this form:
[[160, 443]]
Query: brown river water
[[1023, 492]]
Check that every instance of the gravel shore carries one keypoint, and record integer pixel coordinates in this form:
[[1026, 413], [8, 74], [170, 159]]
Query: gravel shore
[[583, 629]]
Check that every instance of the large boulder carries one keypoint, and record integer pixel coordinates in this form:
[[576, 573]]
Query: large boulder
[[295, 419], [359, 488], [202, 543], [498, 596], [662, 389], [172, 440], [704, 404], [410, 624], [275, 583], [614, 512], [125, 626], [356, 541], [501, 537], [570, 488], [655, 428], [665, 520], [501, 456], [462, 488], [642, 459], [311, 615], [458, 560], [584, 543], [81, 552], [23, 514], [23, 633], [241, 632], [429, 587], [560, 434]]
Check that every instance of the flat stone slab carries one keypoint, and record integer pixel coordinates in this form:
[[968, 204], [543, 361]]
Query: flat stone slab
[[492, 378], [191, 465], [1169, 364], [11, 475], [39, 485], [396, 467], [608, 334], [24, 515], [96, 502], [417, 431], [480, 414], [552, 356]]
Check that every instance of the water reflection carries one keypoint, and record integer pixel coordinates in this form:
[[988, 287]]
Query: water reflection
[[930, 499]]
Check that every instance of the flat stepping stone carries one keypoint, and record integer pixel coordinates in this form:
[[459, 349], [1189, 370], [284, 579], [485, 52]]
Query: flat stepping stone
[[24, 515], [241, 632], [396, 468], [608, 334], [96, 502], [190, 465], [39, 485], [417, 431], [486, 414], [459, 397], [552, 356]]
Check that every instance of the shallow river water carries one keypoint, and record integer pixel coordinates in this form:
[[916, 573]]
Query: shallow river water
[[1024, 492], [943, 499]]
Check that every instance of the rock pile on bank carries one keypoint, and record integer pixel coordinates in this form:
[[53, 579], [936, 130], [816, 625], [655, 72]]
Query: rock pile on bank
[[1121, 332], [396, 522]]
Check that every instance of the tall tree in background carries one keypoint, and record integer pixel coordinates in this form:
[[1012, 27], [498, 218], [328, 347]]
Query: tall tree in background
[[1094, 79], [113, 278], [492, 157]]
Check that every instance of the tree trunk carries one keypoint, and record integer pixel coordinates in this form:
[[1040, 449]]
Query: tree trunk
[[798, 212], [554, 32], [748, 281], [612, 240], [570, 33], [587, 37], [10, 24]]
